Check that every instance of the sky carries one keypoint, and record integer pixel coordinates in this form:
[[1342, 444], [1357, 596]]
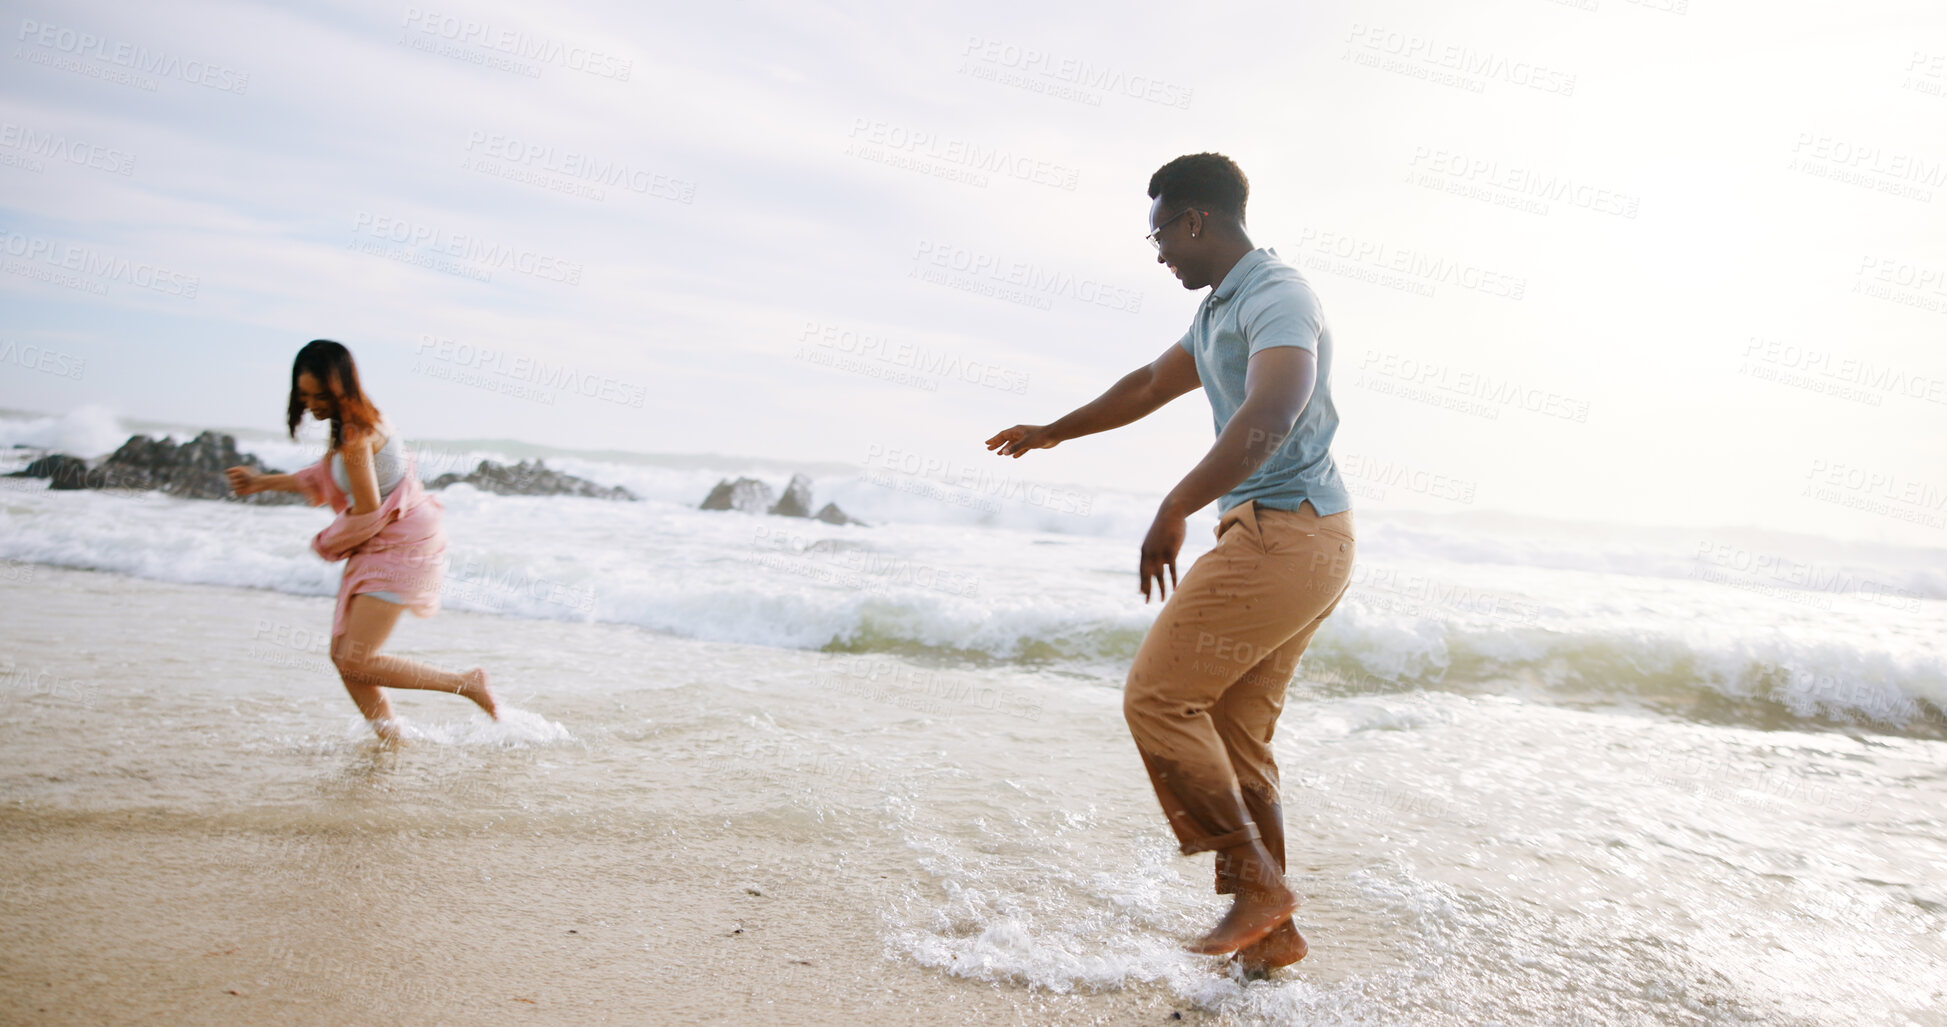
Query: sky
[[1660, 262]]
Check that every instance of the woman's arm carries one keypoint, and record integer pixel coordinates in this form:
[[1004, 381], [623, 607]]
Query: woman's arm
[[244, 482], [357, 455]]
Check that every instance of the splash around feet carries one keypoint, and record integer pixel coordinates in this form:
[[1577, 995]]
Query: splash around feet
[[1282, 947], [1254, 913]]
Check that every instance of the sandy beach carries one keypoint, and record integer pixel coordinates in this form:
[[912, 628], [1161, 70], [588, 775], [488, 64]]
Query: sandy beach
[[197, 829], [196, 834]]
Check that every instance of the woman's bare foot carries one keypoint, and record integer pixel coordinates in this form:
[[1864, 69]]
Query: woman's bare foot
[[475, 688], [388, 731], [1282, 947]]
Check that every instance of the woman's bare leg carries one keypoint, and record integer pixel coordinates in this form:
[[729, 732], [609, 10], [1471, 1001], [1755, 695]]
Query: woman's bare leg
[[368, 623]]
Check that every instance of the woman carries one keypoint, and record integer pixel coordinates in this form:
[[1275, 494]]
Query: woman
[[388, 532]]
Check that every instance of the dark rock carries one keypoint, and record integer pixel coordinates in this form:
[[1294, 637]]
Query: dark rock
[[831, 514], [745, 494], [61, 470], [752, 496], [531, 479], [797, 498], [189, 470]]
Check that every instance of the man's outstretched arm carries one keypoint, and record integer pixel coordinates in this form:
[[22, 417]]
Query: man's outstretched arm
[[1140, 393]]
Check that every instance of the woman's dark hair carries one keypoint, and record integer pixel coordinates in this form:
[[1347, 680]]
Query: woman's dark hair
[[1209, 180], [331, 364]]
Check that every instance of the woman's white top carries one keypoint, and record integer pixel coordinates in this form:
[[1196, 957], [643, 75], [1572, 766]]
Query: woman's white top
[[388, 464]]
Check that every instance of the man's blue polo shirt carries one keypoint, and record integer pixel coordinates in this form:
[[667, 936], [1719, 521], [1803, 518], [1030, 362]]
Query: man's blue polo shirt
[[1265, 302]]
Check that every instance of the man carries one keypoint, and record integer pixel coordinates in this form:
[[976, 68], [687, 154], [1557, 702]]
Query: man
[[1204, 694]]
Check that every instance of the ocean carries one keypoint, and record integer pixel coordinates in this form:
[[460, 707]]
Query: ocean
[[1536, 771]]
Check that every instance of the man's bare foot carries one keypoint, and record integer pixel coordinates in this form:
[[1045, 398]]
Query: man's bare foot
[[475, 688], [1282, 947], [1254, 912]]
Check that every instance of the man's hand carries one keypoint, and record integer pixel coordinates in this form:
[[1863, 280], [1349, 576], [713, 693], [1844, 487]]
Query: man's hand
[[1160, 546], [1023, 437], [243, 481]]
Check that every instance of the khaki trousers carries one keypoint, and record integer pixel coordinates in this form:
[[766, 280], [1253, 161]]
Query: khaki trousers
[[1208, 682]]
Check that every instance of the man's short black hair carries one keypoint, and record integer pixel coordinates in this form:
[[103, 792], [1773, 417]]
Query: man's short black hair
[[1209, 180]]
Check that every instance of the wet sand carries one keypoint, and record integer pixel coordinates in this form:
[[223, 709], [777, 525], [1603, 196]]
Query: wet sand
[[196, 828], [194, 835]]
